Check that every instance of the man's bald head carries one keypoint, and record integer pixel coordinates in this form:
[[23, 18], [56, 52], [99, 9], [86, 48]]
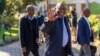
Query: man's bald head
[[86, 12]]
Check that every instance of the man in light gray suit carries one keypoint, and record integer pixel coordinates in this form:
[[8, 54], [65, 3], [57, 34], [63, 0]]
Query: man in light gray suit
[[57, 29]]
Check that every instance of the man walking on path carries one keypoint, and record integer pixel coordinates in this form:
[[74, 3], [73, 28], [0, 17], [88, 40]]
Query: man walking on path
[[84, 33], [29, 32]]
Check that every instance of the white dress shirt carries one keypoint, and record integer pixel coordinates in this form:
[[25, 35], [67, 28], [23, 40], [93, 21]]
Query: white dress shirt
[[65, 35], [31, 18]]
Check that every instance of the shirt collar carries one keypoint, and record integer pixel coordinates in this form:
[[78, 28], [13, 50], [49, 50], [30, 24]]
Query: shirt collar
[[31, 18], [86, 18]]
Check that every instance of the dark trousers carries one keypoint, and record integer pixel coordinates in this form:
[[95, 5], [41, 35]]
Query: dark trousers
[[33, 50], [64, 52], [67, 51]]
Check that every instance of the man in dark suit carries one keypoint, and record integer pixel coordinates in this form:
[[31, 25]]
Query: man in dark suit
[[58, 33], [29, 32], [84, 33]]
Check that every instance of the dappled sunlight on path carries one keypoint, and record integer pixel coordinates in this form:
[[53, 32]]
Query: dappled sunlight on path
[[4, 53]]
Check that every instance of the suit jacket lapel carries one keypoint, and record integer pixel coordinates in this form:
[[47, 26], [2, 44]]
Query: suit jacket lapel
[[60, 24], [67, 26]]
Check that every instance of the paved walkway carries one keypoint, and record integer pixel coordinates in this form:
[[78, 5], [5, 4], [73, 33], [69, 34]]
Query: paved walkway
[[11, 50], [15, 50]]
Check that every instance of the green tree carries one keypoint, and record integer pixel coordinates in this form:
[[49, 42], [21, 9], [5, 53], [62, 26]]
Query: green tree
[[13, 5], [26, 2], [95, 8], [2, 5], [17, 5], [63, 1]]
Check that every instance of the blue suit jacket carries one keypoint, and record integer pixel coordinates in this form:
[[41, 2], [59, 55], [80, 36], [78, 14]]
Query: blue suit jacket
[[83, 35], [54, 31], [40, 19]]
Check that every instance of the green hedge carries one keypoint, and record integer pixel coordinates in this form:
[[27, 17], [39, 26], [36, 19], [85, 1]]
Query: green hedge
[[95, 8]]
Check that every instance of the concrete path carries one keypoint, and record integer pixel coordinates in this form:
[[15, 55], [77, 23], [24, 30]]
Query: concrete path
[[14, 49]]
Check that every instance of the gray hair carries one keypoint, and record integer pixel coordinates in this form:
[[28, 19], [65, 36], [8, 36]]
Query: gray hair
[[29, 6]]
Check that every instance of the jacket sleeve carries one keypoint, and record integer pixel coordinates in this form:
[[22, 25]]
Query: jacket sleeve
[[40, 20], [37, 29], [88, 34], [81, 36], [22, 32]]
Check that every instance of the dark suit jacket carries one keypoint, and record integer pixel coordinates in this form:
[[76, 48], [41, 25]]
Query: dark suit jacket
[[83, 36], [29, 31], [54, 31], [40, 19]]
